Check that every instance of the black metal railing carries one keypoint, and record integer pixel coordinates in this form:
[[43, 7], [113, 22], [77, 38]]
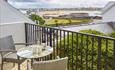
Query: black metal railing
[[85, 51]]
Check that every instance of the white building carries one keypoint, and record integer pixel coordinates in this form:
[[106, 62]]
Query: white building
[[12, 22], [103, 27], [108, 12]]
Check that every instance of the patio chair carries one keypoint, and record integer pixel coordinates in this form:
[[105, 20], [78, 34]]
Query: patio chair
[[8, 51], [57, 64]]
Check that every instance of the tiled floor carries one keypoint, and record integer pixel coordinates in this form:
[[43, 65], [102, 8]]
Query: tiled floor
[[9, 66]]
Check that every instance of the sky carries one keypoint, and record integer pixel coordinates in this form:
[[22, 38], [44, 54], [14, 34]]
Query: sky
[[58, 3]]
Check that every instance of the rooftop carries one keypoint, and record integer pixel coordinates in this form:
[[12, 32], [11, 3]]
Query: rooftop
[[108, 6], [9, 14]]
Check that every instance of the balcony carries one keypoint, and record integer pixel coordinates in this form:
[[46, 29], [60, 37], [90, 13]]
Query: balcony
[[85, 51]]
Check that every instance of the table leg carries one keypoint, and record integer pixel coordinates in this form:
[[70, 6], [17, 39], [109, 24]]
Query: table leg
[[32, 62]]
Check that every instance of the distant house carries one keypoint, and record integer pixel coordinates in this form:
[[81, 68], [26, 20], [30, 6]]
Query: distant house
[[75, 15], [48, 16], [108, 12]]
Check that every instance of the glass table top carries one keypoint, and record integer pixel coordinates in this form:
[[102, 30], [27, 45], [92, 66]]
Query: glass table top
[[30, 51]]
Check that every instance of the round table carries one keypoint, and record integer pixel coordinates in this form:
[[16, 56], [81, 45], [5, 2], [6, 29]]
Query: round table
[[27, 52]]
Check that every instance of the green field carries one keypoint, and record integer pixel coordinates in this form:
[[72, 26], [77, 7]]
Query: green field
[[67, 21]]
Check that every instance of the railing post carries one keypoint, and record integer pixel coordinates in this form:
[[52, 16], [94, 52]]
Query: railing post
[[99, 54], [50, 37], [26, 29], [113, 68]]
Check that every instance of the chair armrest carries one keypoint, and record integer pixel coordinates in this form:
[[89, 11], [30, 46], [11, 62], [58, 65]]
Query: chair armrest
[[1, 52], [23, 43], [28, 65], [8, 51]]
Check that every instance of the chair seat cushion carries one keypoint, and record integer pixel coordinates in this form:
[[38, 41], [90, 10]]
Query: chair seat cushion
[[12, 57]]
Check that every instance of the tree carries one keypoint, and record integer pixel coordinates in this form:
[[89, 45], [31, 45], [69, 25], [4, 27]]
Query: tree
[[83, 48], [56, 21], [112, 34], [69, 21], [93, 32], [36, 18]]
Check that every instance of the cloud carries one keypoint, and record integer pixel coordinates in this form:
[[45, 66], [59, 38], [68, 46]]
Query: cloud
[[73, 1], [22, 0], [59, 3]]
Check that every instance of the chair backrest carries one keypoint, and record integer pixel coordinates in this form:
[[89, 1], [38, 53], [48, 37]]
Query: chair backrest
[[57, 64], [7, 43]]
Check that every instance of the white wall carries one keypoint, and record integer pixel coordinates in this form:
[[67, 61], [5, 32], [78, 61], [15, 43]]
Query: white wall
[[16, 30], [109, 15]]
